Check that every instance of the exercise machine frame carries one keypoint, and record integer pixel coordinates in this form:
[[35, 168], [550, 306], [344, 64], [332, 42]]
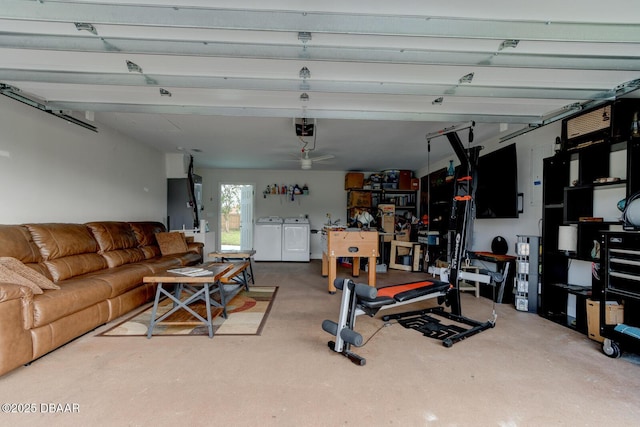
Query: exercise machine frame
[[359, 299], [460, 227]]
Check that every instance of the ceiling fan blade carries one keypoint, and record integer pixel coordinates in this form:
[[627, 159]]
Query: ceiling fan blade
[[320, 158]]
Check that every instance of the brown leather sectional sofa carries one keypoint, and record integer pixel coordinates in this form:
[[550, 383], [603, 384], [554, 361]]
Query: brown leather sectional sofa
[[98, 267]]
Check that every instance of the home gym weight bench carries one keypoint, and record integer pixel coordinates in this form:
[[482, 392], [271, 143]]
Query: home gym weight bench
[[359, 299]]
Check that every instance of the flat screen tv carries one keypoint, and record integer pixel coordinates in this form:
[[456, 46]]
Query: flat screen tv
[[497, 184]]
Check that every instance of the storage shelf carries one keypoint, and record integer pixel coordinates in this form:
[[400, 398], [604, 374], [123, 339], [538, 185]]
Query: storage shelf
[[593, 223], [610, 184], [388, 190], [597, 185], [589, 158], [370, 199], [437, 198], [526, 283], [574, 289]]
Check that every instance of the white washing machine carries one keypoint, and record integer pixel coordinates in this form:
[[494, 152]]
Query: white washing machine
[[295, 239], [267, 239]]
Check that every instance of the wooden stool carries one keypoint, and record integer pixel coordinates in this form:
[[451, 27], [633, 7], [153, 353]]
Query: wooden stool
[[463, 285], [415, 264]]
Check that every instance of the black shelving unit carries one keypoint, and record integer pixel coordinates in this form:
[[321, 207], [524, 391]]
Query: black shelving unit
[[555, 265], [573, 203], [436, 201]]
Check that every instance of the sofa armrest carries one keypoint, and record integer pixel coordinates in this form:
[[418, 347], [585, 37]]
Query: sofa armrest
[[11, 291], [16, 346], [197, 247]]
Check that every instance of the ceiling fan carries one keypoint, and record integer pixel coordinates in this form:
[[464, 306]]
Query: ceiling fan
[[306, 161], [303, 129]]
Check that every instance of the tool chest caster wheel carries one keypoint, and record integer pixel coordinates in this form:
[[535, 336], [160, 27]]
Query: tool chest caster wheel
[[611, 349]]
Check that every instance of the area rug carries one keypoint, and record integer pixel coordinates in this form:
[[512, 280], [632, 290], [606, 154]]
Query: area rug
[[247, 314]]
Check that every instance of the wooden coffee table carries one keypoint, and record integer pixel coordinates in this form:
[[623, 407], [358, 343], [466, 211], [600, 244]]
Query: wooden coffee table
[[199, 288]]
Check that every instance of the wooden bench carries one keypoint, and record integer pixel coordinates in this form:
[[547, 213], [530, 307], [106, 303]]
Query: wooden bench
[[232, 255]]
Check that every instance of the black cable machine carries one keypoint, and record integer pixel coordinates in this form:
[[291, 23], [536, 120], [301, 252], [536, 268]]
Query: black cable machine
[[360, 299]]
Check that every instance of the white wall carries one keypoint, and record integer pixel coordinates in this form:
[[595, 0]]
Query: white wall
[[53, 171], [326, 196]]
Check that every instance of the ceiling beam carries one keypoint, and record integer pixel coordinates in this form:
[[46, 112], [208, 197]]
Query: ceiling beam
[[294, 51], [320, 22], [264, 84], [292, 112]]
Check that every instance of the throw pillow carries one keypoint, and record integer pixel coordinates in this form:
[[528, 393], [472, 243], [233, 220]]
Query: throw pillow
[[30, 274], [9, 276], [172, 242]]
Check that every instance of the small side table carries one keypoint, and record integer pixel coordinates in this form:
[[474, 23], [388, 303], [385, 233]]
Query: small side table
[[463, 285]]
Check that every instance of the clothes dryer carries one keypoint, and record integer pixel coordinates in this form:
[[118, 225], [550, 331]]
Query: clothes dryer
[[296, 239]]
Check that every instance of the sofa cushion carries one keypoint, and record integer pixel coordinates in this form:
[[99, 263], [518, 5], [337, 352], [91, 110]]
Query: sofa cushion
[[172, 243], [16, 241], [151, 251], [112, 235], [123, 256], [187, 258], [27, 273], [73, 296], [160, 263], [123, 278], [68, 250], [9, 276], [145, 232], [117, 241]]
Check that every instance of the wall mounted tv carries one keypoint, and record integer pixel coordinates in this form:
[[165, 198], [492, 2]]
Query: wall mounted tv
[[497, 185]]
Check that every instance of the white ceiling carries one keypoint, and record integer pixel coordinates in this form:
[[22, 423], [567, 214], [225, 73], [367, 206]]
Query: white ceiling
[[383, 75]]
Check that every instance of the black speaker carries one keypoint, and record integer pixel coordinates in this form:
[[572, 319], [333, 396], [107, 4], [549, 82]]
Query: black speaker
[[499, 245]]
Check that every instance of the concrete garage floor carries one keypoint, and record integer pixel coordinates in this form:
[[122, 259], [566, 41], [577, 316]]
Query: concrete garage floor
[[527, 371]]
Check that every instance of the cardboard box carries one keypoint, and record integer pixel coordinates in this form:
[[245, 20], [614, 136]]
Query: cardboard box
[[353, 180], [359, 198], [388, 220], [415, 183], [387, 209], [614, 314]]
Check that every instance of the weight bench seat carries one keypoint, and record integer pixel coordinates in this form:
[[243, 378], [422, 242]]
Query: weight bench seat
[[358, 299], [403, 293]]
